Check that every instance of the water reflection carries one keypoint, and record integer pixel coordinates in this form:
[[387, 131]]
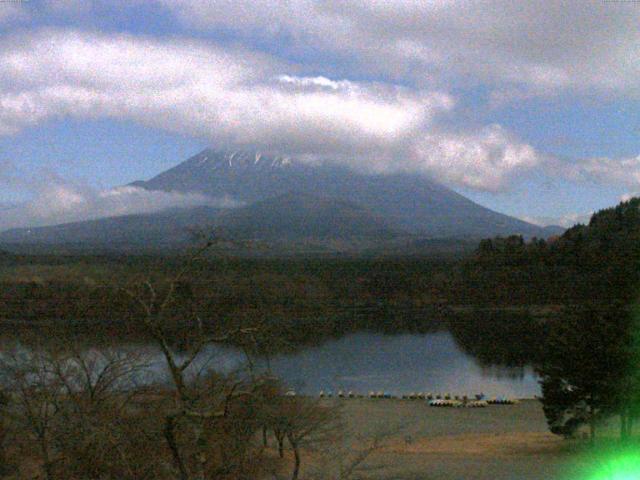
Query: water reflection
[[398, 364], [361, 362]]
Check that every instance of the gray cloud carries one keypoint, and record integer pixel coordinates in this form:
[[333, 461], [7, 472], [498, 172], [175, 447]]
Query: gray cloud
[[623, 171], [547, 47]]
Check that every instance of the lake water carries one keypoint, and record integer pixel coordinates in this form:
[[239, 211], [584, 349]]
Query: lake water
[[397, 364], [365, 361]]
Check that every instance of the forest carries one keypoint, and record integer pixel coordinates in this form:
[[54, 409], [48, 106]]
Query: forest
[[589, 355]]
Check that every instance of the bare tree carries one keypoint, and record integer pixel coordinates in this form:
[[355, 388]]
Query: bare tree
[[91, 417], [349, 455], [304, 422], [36, 399], [100, 433], [92, 377], [75, 404], [198, 406]]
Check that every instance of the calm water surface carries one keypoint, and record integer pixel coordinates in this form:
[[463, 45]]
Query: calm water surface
[[396, 364], [365, 361]]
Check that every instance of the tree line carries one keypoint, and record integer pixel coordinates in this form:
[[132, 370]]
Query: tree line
[[589, 355]]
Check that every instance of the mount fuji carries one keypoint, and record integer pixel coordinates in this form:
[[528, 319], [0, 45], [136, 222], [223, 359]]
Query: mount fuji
[[287, 200]]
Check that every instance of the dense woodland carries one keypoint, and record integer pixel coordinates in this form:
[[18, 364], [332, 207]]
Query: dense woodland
[[589, 357], [596, 262], [333, 296]]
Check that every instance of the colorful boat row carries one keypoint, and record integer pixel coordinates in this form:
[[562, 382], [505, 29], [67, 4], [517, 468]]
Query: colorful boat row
[[436, 400]]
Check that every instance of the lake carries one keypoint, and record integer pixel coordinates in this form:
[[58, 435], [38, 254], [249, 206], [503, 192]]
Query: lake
[[364, 361], [401, 363]]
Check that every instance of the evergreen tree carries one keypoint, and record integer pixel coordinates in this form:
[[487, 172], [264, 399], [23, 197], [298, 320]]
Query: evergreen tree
[[584, 369]]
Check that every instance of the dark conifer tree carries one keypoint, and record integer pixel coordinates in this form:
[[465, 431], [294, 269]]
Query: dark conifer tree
[[584, 370]]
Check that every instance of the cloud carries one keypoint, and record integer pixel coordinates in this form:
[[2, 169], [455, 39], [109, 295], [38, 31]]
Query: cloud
[[12, 11], [564, 44], [608, 171], [486, 160], [619, 171], [231, 97], [240, 99], [57, 201]]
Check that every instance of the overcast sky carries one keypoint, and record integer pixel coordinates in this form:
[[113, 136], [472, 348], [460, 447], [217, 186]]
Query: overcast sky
[[528, 107]]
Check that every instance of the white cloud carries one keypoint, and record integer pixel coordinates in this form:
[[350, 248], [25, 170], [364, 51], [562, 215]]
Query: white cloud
[[236, 98], [57, 201], [486, 160], [231, 97], [317, 82], [561, 44], [54, 200]]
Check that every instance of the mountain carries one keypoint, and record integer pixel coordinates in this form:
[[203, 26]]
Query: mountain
[[328, 207], [410, 202], [552, 231], [297, 216], [167, 228], [292, 217]]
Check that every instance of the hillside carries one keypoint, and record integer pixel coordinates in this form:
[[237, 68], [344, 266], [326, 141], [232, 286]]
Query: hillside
[[296, 216], [292, 217], [162, 229]]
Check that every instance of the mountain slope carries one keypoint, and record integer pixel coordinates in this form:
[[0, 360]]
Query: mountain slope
[[290, 217], [159, 229], [289, 201], [295, 216], [410, 202]]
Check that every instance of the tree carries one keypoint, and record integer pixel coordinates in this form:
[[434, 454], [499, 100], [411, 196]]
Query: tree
[[36, 401], [99, 433], [303, 422], [584, 367], [75, 404], [5, 464], [203, 404]]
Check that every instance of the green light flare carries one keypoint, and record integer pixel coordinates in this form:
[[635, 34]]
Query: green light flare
[[621, 466]]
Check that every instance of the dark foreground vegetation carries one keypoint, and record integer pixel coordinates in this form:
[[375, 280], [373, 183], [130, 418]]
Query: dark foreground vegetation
[[85, 415], [301, 300]]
